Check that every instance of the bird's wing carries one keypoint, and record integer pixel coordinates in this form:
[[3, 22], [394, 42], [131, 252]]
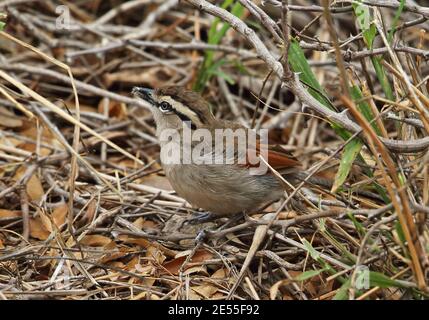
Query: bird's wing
[[275, 155]]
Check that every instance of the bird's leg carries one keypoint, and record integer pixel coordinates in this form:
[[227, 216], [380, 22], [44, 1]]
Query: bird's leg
[[201, 237], [207, 216], [201, 217]]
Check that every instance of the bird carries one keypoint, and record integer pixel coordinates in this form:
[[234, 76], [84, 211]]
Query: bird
[[220, 189]]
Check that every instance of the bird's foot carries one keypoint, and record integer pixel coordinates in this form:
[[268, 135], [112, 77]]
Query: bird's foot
[[201, 236], [202, 217]]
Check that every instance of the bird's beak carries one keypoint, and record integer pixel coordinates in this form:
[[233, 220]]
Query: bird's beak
[[144, 93]]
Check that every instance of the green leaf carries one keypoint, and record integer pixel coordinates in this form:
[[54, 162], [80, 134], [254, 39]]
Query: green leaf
[[351, 150], [377, 279], [395, 20], [364, 108], [369, 31], [363, 17], [369, 35], [400, 232], [359, 227], [342, 293], [2, 25], [313, 253], [215, 36], [299, 64], [224, 75], [309, 274], [382, 77]]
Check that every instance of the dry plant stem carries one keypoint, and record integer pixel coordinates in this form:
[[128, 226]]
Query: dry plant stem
[[296, 87], [338, 56], [376, 3], [74, 164], [258, 100], [265, 19], [258, 237], [287, 73], [22, 181], [124, 7], [141, 196], [82, 86], [404, 77], [261, 231], [402, 209], [18, 105], [194, 45], [64, 142], [363, 246], [25, 212], [64, 115]]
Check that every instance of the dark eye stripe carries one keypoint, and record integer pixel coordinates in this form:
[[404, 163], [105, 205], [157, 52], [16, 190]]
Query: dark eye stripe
[[197, 112], [184, 118]]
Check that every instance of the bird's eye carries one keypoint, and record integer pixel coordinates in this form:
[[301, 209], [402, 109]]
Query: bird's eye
[[164, 106]]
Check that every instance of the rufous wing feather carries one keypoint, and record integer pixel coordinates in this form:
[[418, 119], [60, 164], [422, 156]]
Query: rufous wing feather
[[277, 157]]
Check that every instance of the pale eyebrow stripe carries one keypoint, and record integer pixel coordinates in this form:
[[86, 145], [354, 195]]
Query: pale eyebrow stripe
[[179, 107]]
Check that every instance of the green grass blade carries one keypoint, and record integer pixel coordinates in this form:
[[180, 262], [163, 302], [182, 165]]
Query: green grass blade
[[299, 64], [309, 274], [342, 293], [395, 20], [377, 279], [215, 36], [359, 227], [351, 150], [369, 32], [382, 77]]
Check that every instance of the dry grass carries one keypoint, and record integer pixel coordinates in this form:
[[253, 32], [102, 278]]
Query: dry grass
[[86, 212]]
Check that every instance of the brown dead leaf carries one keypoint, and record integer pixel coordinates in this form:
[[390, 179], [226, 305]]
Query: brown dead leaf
[[1, 244], [9, 120], [219, 274], [194, 295], [90, 211], [146, 243], [131, 265], [284, 215], [38, 230], [276, 287], [116, 109], [4, 213], [138, 223], [30, 131], [149, 224], [41, 226], [156, 254], [31, 147], [95, 240], [111, 256], [34, 188], [196, 269], [154, 76], [59, 214], [143, 224], [206, 290], [173, 266], [110, 135]]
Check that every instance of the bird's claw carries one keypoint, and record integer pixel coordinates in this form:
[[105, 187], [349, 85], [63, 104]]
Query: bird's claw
[[201, 218]]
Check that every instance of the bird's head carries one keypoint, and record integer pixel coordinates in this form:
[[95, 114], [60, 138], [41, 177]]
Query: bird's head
[[174, 105]]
